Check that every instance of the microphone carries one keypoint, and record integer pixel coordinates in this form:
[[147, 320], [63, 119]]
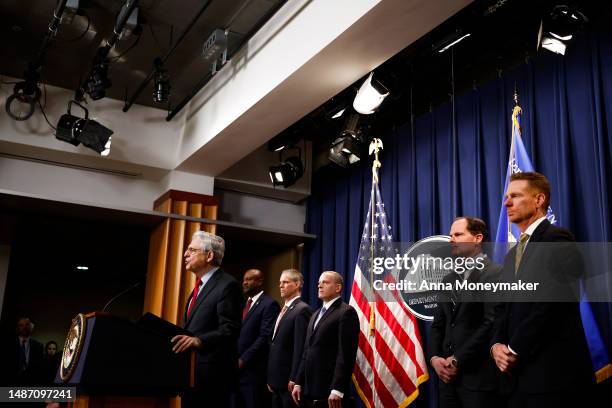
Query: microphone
[[105, 308]]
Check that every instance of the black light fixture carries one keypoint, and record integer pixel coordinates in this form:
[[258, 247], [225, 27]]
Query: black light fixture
[[287, 172], [558, 28], [349, 147], [161, 88], [75, 130], [98, 82]]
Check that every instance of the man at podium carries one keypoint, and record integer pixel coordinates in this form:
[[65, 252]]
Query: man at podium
[[213, 315]]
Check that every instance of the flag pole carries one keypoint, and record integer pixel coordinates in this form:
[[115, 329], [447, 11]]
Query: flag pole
[[375, 146]]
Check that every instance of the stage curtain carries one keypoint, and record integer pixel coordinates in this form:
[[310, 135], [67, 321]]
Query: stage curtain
[[431, 174]]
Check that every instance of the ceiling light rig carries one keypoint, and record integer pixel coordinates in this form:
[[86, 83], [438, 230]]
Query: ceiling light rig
[[97, 81], [558, 28], [26, 94], [161, 88]]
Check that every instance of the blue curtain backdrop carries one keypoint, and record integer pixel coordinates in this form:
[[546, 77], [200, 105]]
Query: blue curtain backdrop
[[431, 174]]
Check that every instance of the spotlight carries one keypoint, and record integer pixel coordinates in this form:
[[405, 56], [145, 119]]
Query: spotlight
[[370, 95], [75, 130], [559, 27], [348, 148], [287, 173], [98, 82], [161, 89]]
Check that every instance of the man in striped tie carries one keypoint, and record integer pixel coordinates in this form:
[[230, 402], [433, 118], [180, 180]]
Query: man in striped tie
[[330, 350], [287, 342]]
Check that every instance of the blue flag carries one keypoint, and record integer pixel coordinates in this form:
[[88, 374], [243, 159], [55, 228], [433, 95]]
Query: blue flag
[[507, 232]]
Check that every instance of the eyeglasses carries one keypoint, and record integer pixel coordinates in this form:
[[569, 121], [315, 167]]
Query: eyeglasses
[[193, 250]]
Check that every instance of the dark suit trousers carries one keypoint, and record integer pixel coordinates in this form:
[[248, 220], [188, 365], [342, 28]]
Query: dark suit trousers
[[451, 396], [207, 397], [251, 396], [561, 399], [282, 399]]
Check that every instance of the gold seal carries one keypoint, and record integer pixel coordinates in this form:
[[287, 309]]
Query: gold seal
[[72, 347]]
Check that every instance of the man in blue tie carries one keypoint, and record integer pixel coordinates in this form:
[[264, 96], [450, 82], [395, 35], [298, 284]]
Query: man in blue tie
[[329, 350]]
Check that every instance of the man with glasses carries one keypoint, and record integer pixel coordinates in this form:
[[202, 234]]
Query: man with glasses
[[213, 315]]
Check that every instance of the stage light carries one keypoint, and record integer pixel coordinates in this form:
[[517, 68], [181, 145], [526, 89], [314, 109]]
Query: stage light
[[559, 27], [161, 89], [370, 95], [346, 150], [349, 147], [75, 130], [82, 268], [287, 172], [98, 82]]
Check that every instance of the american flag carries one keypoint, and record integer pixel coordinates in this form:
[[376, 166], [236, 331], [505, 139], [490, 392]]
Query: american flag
[[390, 361]]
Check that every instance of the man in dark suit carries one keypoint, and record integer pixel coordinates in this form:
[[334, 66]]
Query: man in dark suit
[[258, 317], [212, 315], [330, 349], [540, 345], [26, 356], [461, 331], [287, 342]]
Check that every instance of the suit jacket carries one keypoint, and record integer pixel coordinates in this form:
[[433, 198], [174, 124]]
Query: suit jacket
[[329, 352], [547, 336], [215, 319], [465, 331], [287, 346], [33, 372], [257, 328]]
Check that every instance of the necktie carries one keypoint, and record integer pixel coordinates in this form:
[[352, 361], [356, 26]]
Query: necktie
[[520, 248], [454, 296], [280, 316], [194, 296], [22, 357], [245, 311], [321, 313]]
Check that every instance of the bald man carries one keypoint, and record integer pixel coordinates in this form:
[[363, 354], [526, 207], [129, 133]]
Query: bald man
[[258, 318], [330, 349]]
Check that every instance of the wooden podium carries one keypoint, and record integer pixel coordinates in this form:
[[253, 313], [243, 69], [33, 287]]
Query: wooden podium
[[114, 362]]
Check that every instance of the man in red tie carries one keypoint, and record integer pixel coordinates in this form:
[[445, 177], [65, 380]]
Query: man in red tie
[[258, 318], [212, 315]]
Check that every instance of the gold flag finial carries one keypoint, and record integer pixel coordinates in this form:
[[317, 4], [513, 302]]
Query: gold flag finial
[[375, 146]]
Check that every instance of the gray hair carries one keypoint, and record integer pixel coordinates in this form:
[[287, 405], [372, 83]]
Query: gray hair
[[211, 242], [337, 277], [295, 276]]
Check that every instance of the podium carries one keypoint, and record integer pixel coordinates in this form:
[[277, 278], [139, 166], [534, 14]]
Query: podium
[[114, 362]]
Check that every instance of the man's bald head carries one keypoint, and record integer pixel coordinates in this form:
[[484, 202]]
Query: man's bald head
[[252, 282]]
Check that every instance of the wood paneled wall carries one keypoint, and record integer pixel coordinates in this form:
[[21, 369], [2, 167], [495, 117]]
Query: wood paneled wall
[[168, 286]]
